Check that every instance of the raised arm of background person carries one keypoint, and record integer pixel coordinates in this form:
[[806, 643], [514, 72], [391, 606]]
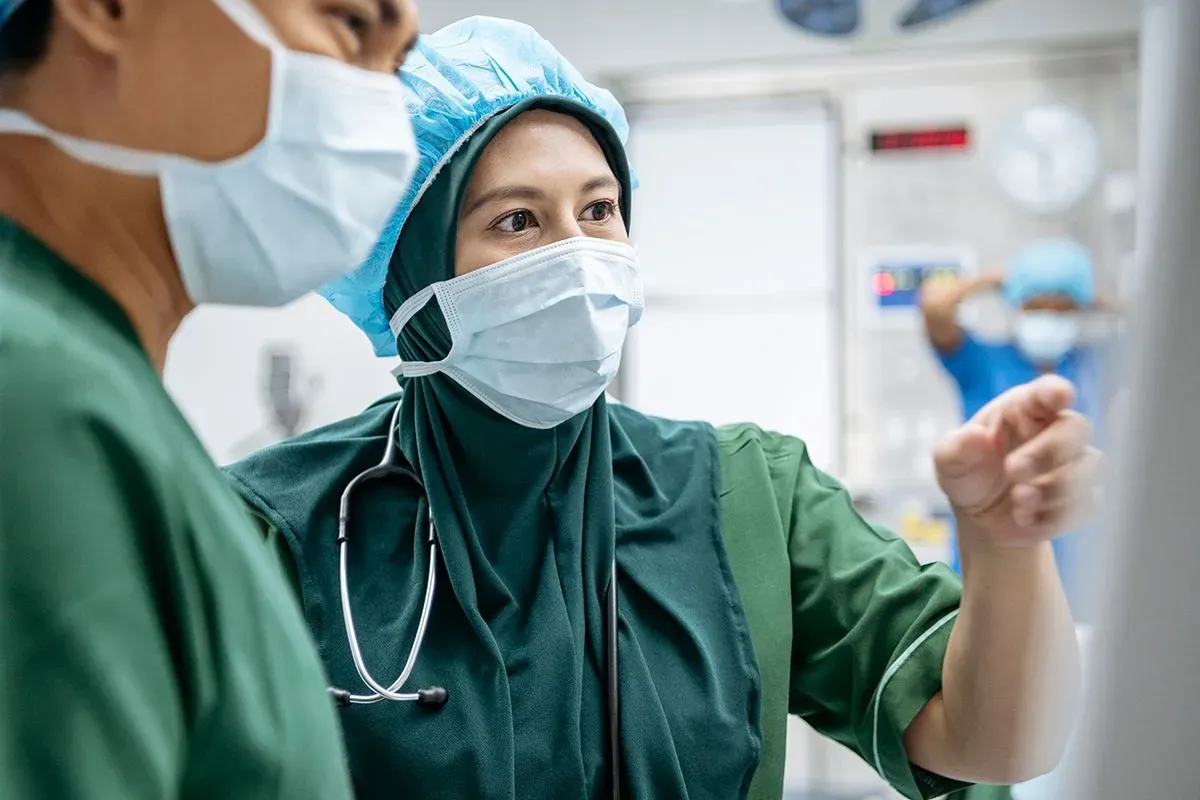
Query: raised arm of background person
[[939, 306]]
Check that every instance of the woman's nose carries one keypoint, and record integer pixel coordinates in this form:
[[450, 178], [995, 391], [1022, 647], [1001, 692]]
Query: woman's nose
[[565, 228]]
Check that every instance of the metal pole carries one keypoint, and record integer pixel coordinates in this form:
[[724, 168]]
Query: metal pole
[[1142, 737]]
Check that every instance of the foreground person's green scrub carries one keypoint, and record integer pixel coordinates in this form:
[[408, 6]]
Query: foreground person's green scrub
[[749, 587], [148, 647]]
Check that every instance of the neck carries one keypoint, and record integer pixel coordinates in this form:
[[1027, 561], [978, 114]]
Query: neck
[[489, 452], [107, 226]]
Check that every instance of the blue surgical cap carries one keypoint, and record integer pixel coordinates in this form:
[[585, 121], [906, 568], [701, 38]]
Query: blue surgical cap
[[459, 78], [1050, 266], [7, 7]]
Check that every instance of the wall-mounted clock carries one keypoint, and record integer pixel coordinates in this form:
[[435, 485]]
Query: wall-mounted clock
[[1047, 158]]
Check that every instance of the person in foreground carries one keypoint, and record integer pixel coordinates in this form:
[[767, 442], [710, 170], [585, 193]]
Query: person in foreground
[[149, 647], [747, 587]]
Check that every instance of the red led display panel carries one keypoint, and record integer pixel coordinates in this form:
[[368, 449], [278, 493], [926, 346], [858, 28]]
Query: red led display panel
[[957, 138]]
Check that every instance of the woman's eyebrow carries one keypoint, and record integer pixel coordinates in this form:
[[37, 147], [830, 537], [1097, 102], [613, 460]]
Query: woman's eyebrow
[[532, 193], [512, 192], [600, 182]]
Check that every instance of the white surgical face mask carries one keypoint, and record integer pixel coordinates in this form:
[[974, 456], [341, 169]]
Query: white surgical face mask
[[536, 338], [302, 207], [1044, 337]]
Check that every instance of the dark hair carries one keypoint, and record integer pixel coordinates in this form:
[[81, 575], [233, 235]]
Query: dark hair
[[24, 38]]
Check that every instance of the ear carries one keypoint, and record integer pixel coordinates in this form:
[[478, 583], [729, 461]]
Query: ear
[[99, 23]]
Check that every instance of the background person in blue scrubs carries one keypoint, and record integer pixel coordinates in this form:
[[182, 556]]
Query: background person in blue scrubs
[[1048, 285]]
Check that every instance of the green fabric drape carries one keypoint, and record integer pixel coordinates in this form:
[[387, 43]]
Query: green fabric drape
[[529, 523]]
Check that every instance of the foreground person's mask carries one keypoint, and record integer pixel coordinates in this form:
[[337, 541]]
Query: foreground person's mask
[[304, 206], [536, 338]]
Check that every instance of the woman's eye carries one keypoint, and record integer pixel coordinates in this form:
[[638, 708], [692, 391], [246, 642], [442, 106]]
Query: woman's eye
[[516, 222], [600, 212]]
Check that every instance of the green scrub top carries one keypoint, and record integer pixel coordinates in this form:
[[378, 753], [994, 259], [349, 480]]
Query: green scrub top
[[149, 647], [848, 630]]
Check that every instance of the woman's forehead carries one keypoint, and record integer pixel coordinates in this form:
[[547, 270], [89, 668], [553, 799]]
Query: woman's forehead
[[540, 147]]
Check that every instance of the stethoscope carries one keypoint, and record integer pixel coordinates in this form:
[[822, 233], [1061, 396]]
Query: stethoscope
[[393, 467]]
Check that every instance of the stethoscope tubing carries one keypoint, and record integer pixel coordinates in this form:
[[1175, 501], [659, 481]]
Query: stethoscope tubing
[[436, 696]]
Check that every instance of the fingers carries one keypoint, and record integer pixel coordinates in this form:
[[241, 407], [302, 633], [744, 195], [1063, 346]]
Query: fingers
[[1060, 443], [1048, 396], [1056, 498], [963, 450], [1040, 399]]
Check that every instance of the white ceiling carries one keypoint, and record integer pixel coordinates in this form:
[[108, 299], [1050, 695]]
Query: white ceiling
[[623, 38]]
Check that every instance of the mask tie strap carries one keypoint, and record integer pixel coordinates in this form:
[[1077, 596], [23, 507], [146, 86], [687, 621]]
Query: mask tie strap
[[404, 315]]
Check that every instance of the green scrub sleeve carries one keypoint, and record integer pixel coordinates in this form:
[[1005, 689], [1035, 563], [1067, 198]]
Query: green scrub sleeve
[[89, 701], [870, 626], [281, 554]]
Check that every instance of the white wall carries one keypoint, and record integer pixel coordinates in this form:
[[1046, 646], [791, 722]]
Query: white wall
[[216, 370], [741, 320]]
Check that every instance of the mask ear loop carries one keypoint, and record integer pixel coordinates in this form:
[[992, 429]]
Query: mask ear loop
[[404, 315], [247, 17], [113, 157]]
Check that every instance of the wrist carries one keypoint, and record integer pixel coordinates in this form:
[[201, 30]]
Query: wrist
[[977, 548]]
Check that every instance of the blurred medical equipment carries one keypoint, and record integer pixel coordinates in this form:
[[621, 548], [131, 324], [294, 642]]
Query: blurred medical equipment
[[393, 467], [1146, 698], [844, 17], [287, 403], [823, 17], [287, 398], [926, 11]]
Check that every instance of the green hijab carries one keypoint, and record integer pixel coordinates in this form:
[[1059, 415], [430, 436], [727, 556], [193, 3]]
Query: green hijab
[[529, 523]]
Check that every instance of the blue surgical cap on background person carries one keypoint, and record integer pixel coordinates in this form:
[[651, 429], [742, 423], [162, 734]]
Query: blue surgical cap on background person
[[459, 78], [1050, 266]]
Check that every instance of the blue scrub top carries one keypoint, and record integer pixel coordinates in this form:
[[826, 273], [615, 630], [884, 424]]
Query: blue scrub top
[[984, 371]]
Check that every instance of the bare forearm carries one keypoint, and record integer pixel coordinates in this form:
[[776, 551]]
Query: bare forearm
[[939, 308], [1011, 674]]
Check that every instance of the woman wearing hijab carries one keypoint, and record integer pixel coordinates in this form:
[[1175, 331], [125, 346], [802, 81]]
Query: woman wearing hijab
[[156, 155], [746, 586]]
